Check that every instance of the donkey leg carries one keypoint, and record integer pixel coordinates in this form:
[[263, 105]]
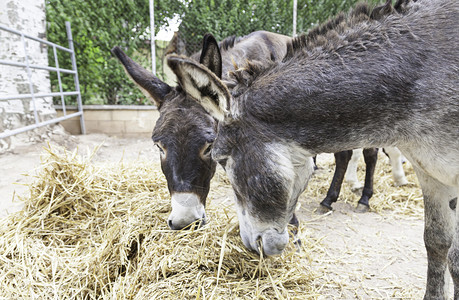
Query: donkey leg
[[438, 234], [396, 161], [341, 160], [351, 173], [371, 157], [294, 232], [453, 253], [314, 159]]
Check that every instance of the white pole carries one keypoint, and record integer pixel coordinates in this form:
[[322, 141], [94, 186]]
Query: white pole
[[152, 29], [295, 2]]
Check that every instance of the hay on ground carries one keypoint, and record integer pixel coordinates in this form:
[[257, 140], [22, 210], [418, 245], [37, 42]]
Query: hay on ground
[[99, 232]]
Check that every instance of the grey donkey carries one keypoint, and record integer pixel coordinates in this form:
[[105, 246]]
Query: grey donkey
[[400, 62]]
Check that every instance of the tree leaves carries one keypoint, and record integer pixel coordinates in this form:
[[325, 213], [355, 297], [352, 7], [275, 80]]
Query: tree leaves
[[97, 26]]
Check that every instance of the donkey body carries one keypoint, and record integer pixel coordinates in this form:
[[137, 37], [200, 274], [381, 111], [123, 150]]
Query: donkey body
[[184, 132], [401, 63]]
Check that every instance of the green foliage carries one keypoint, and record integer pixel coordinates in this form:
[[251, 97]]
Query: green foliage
[[98, 26], [226, 17]]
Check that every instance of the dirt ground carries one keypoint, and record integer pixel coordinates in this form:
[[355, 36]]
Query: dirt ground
[[355, 256]]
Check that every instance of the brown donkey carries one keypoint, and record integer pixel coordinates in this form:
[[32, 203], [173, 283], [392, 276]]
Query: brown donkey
[[184, 132]]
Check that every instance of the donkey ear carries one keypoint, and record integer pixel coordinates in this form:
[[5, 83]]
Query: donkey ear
[[201, 84], [210, 55], [150, 85]]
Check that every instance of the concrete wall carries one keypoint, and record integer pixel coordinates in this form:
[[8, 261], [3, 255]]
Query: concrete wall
[[27, 16], [114, 120]]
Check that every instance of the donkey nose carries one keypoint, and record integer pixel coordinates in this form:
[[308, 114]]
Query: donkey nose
[[171, 225], [198, 223], [274, 242]]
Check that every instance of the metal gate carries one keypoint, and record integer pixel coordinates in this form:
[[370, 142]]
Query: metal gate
[[32, 96]]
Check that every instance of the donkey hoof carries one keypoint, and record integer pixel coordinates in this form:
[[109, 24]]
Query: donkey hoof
[[322, 210], [362, 208], [297, 244]]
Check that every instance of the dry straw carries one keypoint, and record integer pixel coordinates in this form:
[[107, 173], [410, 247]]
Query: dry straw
[[99, 232]]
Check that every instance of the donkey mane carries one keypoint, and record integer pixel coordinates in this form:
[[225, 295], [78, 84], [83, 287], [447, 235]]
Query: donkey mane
[[229, 42], [328, 36], [246, 75]]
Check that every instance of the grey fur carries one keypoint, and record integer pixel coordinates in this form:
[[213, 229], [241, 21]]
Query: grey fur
[[373, 78]]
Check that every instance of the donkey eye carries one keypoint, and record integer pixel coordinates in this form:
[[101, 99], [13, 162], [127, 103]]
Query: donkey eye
[[161, 149], [207, 149]]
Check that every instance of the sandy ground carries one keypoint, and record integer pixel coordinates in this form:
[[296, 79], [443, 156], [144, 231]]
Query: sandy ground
[[355, 256]]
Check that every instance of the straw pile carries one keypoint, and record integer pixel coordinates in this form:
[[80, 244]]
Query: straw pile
[[99, 232]]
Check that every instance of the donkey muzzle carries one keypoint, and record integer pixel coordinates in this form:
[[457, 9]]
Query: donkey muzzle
[[187, 210], [269, 242]]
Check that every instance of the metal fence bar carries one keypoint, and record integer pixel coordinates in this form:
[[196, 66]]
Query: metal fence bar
[[33, 95], [25, 96], [35, 38], [152, 31], [295, 4], [77, 83], [8, 133], [18, 64], [56, 63]]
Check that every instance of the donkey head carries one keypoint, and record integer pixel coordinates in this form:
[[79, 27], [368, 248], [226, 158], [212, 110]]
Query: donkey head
[[267, 175], [184, 134]]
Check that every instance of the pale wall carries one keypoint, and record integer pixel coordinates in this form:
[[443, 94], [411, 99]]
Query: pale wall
[[114, 120]]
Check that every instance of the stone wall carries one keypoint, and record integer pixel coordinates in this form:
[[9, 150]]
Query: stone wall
[[27, 16], [114, 120]]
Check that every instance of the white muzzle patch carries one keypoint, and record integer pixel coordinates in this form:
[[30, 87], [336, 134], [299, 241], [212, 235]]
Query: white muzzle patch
[[186, 209], [252, 232]]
